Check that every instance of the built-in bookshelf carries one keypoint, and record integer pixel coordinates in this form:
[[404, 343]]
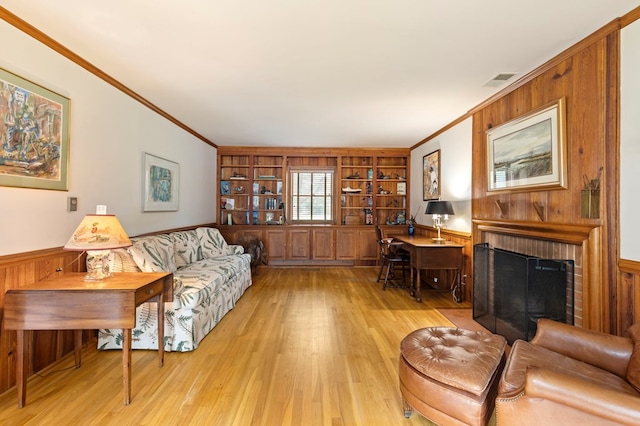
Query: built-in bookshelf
[[251, 188], [372, 187]]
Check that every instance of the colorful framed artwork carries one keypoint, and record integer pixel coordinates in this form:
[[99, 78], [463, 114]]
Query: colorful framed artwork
[[161, 183], [528, 153], [431, 176], [34, 143]]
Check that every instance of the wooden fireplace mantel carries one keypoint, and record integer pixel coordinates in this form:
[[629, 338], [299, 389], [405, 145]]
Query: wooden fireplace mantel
[[588, 237]]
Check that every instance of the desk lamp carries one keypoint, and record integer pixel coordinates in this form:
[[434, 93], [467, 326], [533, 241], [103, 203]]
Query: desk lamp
[[97, 234], [440, 211]]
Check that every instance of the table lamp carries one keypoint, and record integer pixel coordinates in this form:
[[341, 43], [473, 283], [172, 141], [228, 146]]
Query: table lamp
[[97, 234], [440, 211]]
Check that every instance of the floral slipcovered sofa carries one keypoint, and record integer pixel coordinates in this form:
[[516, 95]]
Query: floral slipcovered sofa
[[209, 278]]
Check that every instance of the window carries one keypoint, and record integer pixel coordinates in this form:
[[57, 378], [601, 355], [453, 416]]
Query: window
[[311, 195]]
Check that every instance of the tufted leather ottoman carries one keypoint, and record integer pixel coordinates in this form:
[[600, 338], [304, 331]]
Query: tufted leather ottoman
[[450, 375]]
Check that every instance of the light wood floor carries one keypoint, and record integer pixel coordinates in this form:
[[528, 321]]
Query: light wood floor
[[303, 346]]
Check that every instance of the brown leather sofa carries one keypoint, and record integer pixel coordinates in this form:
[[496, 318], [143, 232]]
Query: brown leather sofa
[[571, 376]]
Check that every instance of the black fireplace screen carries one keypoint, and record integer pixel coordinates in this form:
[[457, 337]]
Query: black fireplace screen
[[511, 291]]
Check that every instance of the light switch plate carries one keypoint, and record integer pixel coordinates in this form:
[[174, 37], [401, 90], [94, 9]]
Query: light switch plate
[[72, 204]]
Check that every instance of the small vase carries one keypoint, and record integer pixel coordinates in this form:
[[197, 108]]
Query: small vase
[[412, 229]]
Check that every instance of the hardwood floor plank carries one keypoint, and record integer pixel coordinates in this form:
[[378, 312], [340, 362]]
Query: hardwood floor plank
[[303, 346]]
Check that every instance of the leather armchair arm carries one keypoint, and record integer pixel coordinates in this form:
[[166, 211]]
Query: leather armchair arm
[[609, 352], [586, 397]]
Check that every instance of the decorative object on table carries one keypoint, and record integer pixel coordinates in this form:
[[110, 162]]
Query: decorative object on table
[[161, 182], [98, 234], [590, 197], [529, 152], [440, 211], [431, 176], [225, 188], [411, 229], [401, 188], [35, 152]]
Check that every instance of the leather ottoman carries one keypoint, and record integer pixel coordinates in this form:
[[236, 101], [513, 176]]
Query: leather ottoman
[[450, 375]]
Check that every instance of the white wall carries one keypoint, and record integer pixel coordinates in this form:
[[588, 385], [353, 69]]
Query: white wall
[[455, 175], [629, 141], [109, 132]]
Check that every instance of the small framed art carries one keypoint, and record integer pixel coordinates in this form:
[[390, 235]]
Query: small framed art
[[161, 184]]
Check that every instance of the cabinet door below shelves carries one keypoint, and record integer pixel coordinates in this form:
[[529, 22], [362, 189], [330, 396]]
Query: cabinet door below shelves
[[299, 244], [368, 246], [323, 244], [275, 244], [347, 244]]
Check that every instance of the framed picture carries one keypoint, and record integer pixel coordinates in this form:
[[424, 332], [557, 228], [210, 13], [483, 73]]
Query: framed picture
[[401, 188], [161, 184], [431, 176], [529, 152], [34, 149], [225, 187]]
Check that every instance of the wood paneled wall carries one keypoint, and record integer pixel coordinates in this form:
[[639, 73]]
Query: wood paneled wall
[[43, 347], [586, 77]]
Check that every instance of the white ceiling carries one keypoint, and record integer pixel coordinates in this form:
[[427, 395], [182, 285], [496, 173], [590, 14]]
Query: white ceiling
[[321, 73]]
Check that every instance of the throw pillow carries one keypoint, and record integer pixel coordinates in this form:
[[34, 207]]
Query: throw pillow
[[186, 247], [121, 261], [212, 243], [633, 370], [153, 254]]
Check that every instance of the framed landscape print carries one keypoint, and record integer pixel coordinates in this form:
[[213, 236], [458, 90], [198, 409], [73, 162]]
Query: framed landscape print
[[34, 143], [431, 176], [161, 184], [528, 153]]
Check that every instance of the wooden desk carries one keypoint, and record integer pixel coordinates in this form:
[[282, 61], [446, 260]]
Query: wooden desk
[[70, 303], [425, 254]]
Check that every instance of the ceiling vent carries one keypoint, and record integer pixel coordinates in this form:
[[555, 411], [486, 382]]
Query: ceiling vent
[[499, 79]]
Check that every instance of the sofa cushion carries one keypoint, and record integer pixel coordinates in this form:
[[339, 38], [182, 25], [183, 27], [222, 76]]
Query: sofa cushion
[[227, 266], [153, 253], [524, 354], [212, 243], [198, 288], [186, 247], [633, 371]]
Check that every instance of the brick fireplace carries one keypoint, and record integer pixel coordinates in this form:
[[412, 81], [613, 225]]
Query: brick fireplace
[[554, 241]]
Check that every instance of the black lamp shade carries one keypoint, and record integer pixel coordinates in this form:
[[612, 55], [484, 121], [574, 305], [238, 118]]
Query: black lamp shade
[[439, 207]]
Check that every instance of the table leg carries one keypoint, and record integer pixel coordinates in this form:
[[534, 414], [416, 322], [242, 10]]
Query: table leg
[[160, 330], [126, 365], [78, 347], [21, 368], [418, 291]]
